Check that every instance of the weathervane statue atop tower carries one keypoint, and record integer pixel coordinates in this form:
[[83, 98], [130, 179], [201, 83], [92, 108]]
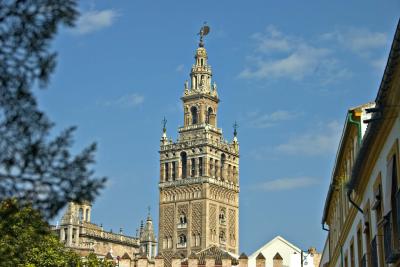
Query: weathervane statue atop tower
[[203, 32]]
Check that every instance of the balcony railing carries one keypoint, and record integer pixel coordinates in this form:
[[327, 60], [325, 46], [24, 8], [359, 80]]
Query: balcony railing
[[181, 245], [182, 225]]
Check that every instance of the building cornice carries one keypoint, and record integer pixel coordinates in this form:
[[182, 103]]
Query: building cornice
[[199, 180]]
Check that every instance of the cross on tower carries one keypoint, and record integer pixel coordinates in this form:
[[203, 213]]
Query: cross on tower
[[164, 124], [235, 127]]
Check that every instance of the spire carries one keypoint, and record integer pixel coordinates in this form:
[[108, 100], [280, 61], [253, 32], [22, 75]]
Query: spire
[[141, 229], [164, 138], [235, 127], [148, 214], [201, 71]]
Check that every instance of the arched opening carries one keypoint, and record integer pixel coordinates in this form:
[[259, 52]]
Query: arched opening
[[80, 214], [182, 241], [193, 167], [200, 166], [166, 171], [182, 219], [223, 159], [193, 111], [87, 215], [208, 116], [173, 171], [222, 237], [184, 164], [222, 216]]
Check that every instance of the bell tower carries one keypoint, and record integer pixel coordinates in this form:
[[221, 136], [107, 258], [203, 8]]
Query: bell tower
[[199, 172]]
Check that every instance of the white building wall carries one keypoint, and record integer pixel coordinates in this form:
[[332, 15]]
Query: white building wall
[[289, 252], [380, 167]]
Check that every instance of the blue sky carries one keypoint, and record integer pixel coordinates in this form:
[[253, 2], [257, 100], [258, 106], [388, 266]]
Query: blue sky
[[287, 71]]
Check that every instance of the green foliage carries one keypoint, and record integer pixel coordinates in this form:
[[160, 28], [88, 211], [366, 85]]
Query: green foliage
[[26, 239], [34, 168], [92, 261]]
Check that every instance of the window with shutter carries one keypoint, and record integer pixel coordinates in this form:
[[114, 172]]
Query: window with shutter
[[390, 253], [374, 253], [364, 261]]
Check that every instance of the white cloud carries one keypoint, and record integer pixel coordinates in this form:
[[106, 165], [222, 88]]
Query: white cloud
[[126, 101], [282, 184], [257, 120], [284, 56], [94, 20], [362, 42], [272, 40], [318, 142], [359, 40]]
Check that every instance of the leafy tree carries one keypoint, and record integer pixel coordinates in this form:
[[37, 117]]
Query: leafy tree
[[36, 169], [92, 261], [26, 239]]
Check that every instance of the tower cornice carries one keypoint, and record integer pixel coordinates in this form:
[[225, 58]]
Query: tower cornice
[[193, 95], [200, 180]]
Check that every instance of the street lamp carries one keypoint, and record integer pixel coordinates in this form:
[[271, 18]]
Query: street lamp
[[303, 257]]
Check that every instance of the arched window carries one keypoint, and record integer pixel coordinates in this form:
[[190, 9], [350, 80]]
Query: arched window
[[209, 114], [193, 111], [210, 168], [182, 218], [222, 237], [200, 166], [222, 216], [173, 171], [193, 167], [196, 240], [166, 171], [222, 174], [165, 243], [169, 242], [182, 241], [80, 214], [87, 215], [184, 164]]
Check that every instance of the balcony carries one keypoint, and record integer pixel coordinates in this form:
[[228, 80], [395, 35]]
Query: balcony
[[181, 245], [182, 225]]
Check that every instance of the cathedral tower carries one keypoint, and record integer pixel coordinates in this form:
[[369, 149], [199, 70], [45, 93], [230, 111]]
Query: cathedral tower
[[199, 173]]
